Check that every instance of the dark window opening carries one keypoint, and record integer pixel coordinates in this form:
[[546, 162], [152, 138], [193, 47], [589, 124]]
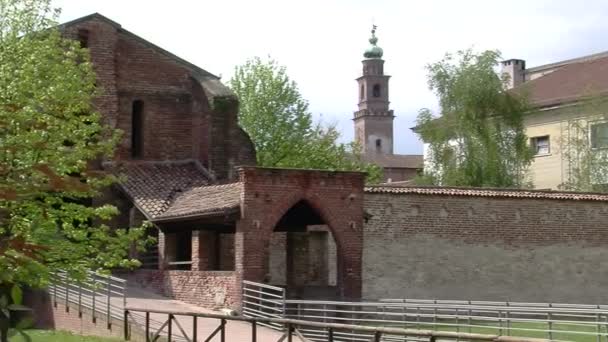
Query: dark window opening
[[137, 129], [540, 145], [362, 94], [378, 144], [83, 38], [599, 135], [376, 90]]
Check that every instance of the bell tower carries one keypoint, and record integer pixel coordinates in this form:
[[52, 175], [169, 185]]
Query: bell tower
[[374, 119]]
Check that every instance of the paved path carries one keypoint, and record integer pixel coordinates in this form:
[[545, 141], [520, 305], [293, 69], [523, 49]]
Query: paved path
[[235, 331]]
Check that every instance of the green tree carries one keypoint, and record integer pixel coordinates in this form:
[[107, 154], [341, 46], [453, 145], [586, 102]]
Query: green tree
[[278, 120], [50, 135], [479, 139]]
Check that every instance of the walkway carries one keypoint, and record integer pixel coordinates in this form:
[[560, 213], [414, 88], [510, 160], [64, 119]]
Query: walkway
[[235, 331]]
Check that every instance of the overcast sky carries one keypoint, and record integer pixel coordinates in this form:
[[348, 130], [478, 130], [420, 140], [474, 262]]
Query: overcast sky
[[321, 42]]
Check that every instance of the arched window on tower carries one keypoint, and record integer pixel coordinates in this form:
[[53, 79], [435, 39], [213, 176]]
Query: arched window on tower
[[137, 129], [376, 90], [362, 93], [378, 145]]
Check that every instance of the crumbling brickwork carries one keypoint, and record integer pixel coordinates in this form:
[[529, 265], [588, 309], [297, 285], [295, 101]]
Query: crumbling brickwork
[[179, 121]]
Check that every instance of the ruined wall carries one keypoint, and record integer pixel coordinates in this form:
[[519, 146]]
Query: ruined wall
[[485, 248], [210, 289], [178, 119]]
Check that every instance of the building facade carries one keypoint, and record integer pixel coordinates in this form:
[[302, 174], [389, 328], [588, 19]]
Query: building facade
[[568, 130], [187, 168], [373, 120]]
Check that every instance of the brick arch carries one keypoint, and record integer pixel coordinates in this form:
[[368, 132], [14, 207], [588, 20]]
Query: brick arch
[[339, 230], [269, 193], [314, 201]]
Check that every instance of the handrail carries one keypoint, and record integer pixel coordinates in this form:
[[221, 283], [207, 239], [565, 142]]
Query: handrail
[[433, 335]]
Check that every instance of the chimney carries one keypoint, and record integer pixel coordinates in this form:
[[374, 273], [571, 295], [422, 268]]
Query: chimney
[[516, 69]]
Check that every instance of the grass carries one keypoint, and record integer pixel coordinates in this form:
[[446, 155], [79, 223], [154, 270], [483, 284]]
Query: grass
[[59, 336], [522, 329]]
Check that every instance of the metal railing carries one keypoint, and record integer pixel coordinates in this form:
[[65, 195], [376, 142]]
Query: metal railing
[[541, 320], [292, 329], [103, 295], [263, 301]]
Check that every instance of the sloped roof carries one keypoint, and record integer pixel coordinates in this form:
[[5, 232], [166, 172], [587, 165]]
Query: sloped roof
[[154, 186], [568, 83], [407, 161], [489, 192], [205, 200]]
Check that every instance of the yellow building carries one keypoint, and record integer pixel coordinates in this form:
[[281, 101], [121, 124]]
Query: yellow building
[[570, 122]]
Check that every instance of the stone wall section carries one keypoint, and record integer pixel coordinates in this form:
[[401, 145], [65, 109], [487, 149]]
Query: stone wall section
[[482, 248], [210, 289]]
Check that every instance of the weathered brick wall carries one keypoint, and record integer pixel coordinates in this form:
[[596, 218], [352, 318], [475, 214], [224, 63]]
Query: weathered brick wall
[[179, 122], [269, 193], [210, 289], [480, 248]]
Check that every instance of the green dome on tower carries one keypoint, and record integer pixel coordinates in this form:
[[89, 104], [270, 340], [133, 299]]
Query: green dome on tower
[[374, 51]]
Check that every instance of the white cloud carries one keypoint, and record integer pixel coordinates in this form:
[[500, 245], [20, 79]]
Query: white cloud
[[321, 41]]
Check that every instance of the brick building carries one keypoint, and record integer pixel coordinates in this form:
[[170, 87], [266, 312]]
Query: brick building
[[190, 170], [213, 220]]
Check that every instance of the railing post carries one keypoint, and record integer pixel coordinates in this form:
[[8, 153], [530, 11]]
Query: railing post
[[194, 328], [254, 332], [109, 284], [93, 293], [170, 328], [67, 294], [598, 327], [508, 320], [330, 334], [147, 328], [79, 298], [223, 331], [377, 336], [549, 319], [126, 326], [289, 332]]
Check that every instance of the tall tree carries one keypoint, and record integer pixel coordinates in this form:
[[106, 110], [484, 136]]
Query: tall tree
[[278, 120], [478, 139], [49, 134]]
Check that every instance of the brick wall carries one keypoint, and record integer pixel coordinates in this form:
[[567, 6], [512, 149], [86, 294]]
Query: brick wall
[[481, 248], [58, 316], [178, 119], [269, 193], [211, 289]]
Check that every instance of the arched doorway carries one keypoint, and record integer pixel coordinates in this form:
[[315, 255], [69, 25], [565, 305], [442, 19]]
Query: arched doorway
[[302, 254]]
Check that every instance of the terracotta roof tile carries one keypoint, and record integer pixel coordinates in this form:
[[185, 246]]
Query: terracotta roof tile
[[154, 186], [205, 200], [489, 192], [409, 161], [568, 83]]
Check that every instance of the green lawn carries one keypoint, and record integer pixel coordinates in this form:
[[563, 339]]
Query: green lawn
[[575, 332], [59, 336]]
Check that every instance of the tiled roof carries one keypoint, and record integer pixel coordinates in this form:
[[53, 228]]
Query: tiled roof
[[413, 161], [154, 186], [569, 83], [489, 192], [205, 200]]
